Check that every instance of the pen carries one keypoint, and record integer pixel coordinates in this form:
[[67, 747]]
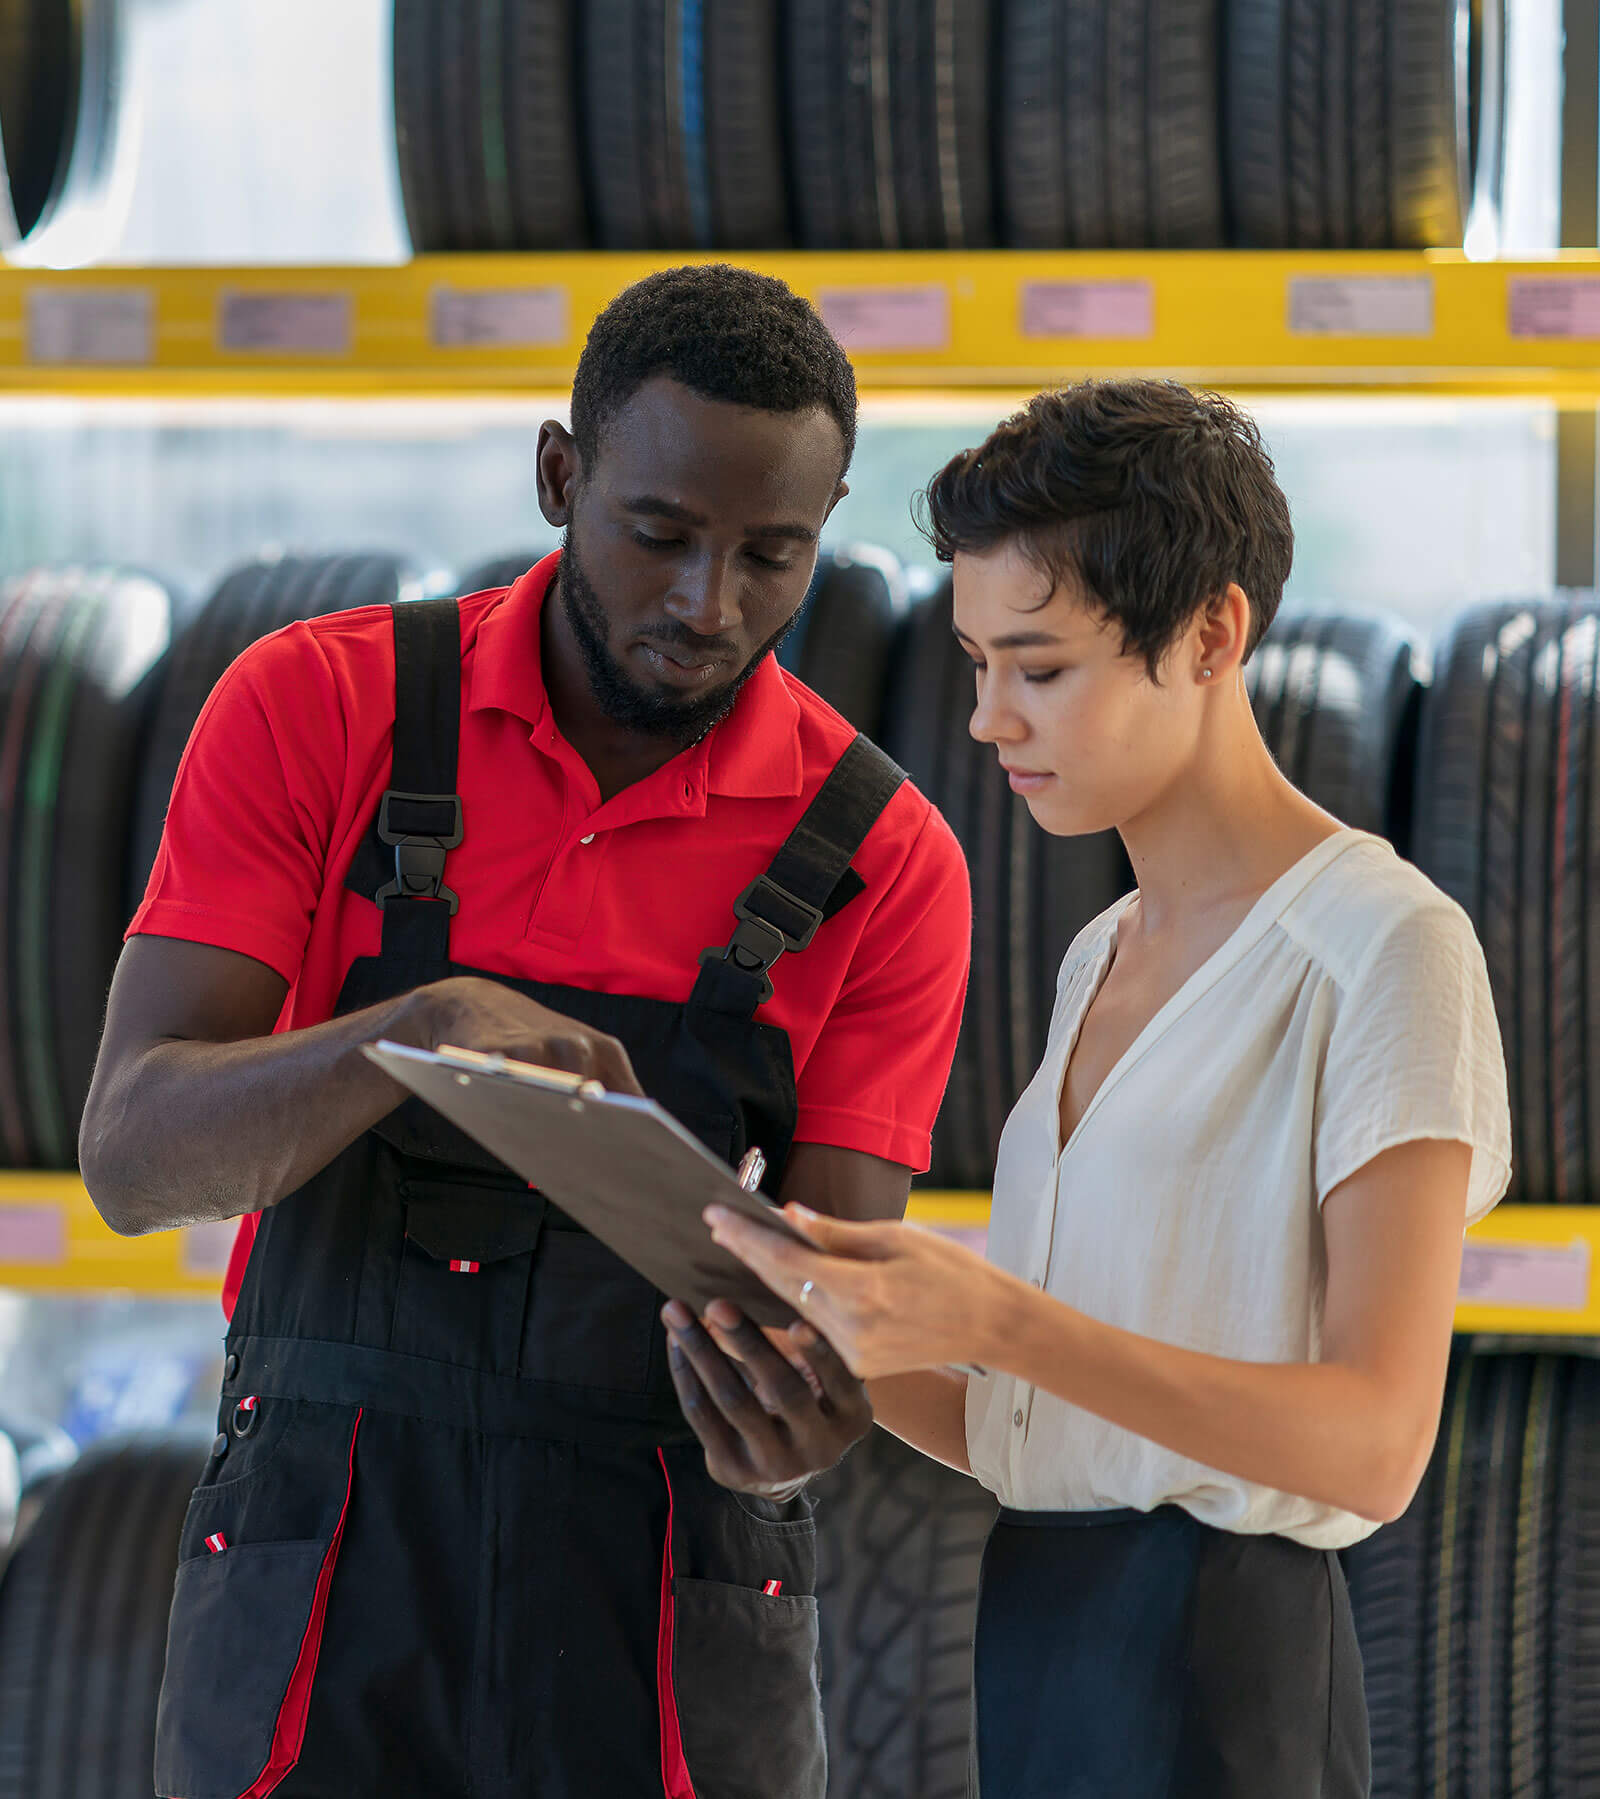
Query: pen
[[751, 1170]]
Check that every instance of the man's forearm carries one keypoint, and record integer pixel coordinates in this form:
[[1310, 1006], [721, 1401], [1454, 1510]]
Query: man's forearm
[[188, 1132]]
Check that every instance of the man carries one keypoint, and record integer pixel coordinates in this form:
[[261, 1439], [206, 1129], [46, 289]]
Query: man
[[455, 1535]]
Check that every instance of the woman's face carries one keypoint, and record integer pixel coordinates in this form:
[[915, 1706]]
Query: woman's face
[[1088, 739]]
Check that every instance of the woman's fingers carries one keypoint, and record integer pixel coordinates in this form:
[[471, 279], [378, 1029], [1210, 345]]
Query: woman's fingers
[[843, 1236], [784, 1265]]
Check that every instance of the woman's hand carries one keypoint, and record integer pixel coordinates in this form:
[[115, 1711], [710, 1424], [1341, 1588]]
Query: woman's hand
[[890, 1298]]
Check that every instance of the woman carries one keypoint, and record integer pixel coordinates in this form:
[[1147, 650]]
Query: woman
[[1208, 1347]]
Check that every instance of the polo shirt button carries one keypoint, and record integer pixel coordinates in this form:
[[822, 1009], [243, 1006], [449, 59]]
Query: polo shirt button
[[1016, 1417], [588, 839], [230, 1368]]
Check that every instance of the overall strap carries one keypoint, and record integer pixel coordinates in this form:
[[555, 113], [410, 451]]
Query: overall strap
[[807, 881], [419, 816]]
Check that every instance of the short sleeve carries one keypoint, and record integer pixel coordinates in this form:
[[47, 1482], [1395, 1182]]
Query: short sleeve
[[876, 1075], [242, 856], [1415, 1053]]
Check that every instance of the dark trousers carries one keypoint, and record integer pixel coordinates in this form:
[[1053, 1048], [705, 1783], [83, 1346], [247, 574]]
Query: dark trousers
[[1131, 1655]]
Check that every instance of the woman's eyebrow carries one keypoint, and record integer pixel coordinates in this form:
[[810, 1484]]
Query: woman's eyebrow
[[1015, 640]]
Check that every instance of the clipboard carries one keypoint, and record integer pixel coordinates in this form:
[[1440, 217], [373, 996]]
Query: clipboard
[[621, 1165]]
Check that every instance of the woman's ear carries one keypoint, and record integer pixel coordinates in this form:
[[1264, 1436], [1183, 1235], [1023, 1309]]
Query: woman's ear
[[1224, 635]]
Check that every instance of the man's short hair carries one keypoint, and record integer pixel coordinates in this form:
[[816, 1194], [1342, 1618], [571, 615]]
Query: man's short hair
[[726, 334], [1148, 494]]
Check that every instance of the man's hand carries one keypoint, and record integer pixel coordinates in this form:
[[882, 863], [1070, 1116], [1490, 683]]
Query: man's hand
[[763, 1427], [473, 1013]]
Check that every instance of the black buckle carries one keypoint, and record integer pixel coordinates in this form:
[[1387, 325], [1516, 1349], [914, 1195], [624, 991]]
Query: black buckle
[[760, 938], [419, 856]]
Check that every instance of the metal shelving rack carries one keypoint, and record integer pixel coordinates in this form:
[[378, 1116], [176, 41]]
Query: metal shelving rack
[[1433, 323]]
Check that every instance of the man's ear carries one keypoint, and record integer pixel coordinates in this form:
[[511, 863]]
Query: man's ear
[[838, 494], [560, 470]]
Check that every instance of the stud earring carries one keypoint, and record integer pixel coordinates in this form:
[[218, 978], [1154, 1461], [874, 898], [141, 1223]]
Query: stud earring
[[1205, 674]]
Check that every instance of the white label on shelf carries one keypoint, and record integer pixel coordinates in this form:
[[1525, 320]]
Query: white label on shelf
[[888, 318], [105, 326], [320, 323], [36, 1235], [1088, 309], [1361, 305], [1560, 306], [207, 1247], [1526, 1274], [970, 1236], [512, 317]]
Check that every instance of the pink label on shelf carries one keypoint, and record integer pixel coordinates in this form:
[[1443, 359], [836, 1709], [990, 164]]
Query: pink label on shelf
[[314, 323], [206, 1247], [1088, 309], [507, 317], [36, 1235], [1526, 1274], [1558, 306], [1361, 305], [98, 326], [888, 318]]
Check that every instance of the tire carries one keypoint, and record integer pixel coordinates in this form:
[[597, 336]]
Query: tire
[[940, 105], [248, 603], [841, 124], [416, 124], [83, 1623], [539, 105], [499, 571], [1337, 702], [845, 636], [899, 1543], [743, 126], [1033, 123], [1347, 123], [1032, 893], [130, 632], [1474, 1609], [59, 80], [1506, 824]]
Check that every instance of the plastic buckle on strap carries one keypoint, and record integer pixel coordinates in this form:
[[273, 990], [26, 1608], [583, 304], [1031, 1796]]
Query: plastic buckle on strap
[[784, 923], [419, 857]]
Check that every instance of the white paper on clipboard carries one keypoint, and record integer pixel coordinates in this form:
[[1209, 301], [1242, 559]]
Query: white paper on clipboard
[[622, 1166]]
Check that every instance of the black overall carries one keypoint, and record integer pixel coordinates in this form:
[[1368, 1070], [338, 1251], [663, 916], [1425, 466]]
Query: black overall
[[455, 1536]]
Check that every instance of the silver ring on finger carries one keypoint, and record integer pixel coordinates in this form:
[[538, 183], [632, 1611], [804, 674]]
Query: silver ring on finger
[[806, 1290]]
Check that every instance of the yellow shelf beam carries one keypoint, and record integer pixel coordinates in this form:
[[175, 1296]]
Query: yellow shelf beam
[[484, 325], [1529, 1270]]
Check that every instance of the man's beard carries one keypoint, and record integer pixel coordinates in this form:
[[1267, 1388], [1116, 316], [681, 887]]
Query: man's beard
[[651, 711]]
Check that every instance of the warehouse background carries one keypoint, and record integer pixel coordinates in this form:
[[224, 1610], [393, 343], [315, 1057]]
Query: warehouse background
[[1429, 679]]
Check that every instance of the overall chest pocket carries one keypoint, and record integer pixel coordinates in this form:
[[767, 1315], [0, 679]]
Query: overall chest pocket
[[464, 1271]]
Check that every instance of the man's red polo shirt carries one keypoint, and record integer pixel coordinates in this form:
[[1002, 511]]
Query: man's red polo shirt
[[283, 776]]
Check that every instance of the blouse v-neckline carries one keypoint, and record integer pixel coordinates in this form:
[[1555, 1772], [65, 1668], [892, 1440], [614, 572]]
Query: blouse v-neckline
[[1247, 932]]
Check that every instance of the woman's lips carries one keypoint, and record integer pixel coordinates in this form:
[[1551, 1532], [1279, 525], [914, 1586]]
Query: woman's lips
[[1027, 780]]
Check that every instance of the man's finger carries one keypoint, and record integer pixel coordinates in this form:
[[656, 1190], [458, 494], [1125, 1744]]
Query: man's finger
[[722, 1443], [729, 1392], [779, 1386], [844, 1391]]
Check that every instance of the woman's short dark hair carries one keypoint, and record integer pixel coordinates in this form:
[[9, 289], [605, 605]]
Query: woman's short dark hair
[[726, 334], [1150, 495]]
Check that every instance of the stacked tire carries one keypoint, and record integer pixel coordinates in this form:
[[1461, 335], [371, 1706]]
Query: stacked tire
[[78, 648], [58, 87], [941, 124], [1479, 1611]]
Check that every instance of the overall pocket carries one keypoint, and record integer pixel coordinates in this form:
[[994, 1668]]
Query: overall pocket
[[592, 1321], [744, 1669], [248, 1609], [745, 1708], [464, 1271]]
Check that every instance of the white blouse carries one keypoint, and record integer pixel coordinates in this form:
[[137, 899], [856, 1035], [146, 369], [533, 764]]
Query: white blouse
[[1348, 1013]]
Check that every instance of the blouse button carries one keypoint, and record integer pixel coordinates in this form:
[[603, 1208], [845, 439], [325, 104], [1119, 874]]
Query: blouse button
[[1016, 1417], [588, 839]]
